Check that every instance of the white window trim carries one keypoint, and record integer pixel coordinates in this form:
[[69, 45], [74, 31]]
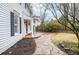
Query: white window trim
[[16, 13]]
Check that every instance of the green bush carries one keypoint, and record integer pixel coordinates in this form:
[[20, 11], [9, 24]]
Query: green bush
[[50, 27], [41, 27], [57, 27]]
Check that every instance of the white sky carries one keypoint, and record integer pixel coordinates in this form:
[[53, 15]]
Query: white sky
[[36, 10]]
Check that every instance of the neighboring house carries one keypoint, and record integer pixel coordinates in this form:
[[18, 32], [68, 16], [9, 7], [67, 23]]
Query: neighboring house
[[36, 22], [15, 23]]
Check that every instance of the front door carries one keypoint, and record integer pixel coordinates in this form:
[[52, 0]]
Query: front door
[[26, 24], [26, 28]]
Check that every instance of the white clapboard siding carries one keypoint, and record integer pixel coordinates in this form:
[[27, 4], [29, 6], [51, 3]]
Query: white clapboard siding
[[6, 41], [4, 34]]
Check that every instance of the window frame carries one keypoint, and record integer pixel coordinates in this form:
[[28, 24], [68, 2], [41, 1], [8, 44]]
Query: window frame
[[16, 14]]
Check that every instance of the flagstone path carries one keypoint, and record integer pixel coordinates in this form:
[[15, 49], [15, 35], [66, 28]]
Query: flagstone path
[[46, 47]]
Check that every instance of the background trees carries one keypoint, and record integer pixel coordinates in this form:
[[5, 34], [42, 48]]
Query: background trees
[[43, 13]]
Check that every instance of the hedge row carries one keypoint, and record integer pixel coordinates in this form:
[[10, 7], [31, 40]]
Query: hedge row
[[50, 27]]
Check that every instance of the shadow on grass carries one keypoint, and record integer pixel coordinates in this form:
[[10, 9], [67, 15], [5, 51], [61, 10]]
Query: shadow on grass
[[69, 48], [23, 47]]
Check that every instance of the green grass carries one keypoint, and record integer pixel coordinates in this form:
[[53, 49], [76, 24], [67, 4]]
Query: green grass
[[74, 46]]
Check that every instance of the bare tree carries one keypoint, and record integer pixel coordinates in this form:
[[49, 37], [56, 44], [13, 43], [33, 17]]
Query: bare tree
[[43, 12], [29, 7]]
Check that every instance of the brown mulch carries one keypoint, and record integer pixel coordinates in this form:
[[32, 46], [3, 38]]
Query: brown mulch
[[23, 47], [68, 51]]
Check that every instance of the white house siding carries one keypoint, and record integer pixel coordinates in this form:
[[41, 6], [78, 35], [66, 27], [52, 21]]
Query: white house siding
[[6, 40]]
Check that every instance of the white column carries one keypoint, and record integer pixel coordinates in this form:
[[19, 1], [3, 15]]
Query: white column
[[32, 28]]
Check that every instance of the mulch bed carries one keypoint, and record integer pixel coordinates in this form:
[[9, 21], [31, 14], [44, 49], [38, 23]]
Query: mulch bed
[[68, 51], [23, 47]]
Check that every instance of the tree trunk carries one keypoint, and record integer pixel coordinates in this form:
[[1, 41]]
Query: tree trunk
[[66, 15], [65, 27], [77, 35]]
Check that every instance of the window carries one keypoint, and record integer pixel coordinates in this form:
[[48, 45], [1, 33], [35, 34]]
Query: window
[[20, 25], [34, 21], [25, 5], [16, 24], [20, 3], [14, 20]]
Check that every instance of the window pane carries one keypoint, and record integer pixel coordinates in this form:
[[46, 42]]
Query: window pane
[[16, 23], [16, 19], [15, 29]]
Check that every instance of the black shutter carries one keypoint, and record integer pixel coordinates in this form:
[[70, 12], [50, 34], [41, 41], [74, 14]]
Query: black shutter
[[12, 23], [20, 25]]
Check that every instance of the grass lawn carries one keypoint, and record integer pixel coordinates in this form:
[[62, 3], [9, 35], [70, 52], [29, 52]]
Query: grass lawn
[[67, 37]]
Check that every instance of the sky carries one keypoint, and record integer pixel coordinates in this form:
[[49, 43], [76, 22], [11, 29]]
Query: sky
[[36, 10]]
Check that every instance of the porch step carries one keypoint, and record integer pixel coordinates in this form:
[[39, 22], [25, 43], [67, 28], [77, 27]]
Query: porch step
[[32, 37]]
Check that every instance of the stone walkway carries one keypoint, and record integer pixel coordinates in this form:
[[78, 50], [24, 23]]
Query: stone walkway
[[45, 47]]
